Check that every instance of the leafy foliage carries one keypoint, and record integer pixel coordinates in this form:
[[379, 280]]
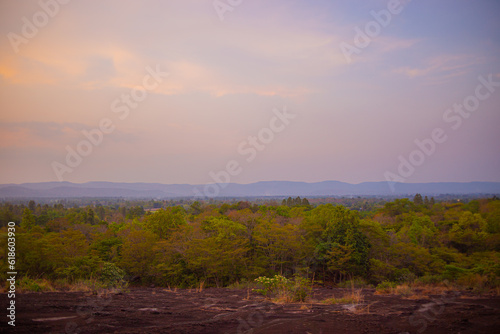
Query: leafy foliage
[[281, 288], [222, 243]]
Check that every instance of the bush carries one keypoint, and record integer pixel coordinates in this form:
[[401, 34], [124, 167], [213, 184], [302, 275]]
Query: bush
[[301, 289], [452, 273], [284, 289], [82, 268], [405, 275], [478, 283], [429, 280], [27, 284], [402, 289], [111, 276], [385, 287]]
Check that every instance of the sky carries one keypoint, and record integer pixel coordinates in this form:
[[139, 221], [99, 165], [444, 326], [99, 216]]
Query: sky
[[202, 91]]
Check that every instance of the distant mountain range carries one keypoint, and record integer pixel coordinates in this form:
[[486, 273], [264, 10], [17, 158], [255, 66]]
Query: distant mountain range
[[258, 189]]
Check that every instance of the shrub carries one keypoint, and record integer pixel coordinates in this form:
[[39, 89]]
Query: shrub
[[405, 275], [403, 290], [428, 280], [301, 289], [284, 289], [478, 283], [272, 285], [452, 272], [27, 284], [385, 287], [111, 276]]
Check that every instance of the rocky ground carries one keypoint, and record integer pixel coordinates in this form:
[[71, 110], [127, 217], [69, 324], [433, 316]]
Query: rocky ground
[[159, 310]]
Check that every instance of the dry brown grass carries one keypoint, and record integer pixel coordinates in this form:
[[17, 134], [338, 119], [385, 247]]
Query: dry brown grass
[[411, 291], [363, 309], [403, 290], [351, 297], [82, 286], [201, 286], [169, 289], [435, 289], [417, 296]]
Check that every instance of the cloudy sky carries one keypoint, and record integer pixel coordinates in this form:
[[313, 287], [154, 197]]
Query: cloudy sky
[[177, 91]]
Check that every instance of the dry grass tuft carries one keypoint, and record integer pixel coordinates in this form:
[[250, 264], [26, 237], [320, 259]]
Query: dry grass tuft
[[351, 297], [417, 296], [403, 290], [363, 309]]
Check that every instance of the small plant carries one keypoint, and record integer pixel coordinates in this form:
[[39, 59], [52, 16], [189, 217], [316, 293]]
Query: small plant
[[276, 285], [27, 284], [202, 284], [392, 288], [283, 289], [301, 289], [385, 287], [403, 290], [110, 276]]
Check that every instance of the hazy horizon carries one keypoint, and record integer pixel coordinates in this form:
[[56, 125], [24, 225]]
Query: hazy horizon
[[238, 183], [191, 92]]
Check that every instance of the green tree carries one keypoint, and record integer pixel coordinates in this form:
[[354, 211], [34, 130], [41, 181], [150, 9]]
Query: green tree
[[218, 253], [339, 259], [90, 216], [100, 211], [328, 226], [279, 245], [469, 233], [493, 217], [418, 200], [164, 221], [398, 207], [29, 220], [137, 256], [419, 230]]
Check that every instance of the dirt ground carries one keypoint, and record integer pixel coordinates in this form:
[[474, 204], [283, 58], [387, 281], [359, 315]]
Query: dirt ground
[[158, 310]]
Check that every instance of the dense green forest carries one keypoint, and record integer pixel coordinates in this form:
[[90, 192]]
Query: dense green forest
[[222, 243]]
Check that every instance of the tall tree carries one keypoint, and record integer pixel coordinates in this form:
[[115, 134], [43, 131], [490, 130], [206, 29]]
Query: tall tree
[[28, 221], [164, 221], [418, 199]]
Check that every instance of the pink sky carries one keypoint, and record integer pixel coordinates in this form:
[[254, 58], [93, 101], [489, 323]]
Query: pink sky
[[354, 119]]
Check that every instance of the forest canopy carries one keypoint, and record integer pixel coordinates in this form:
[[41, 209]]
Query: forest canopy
[[220, 244]]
